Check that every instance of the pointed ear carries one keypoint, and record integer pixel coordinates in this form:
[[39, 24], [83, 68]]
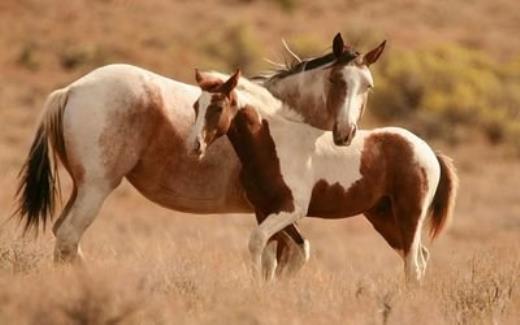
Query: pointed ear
[[198, 76], [337, 45], [372, 56], [231, 83], [207, 83]]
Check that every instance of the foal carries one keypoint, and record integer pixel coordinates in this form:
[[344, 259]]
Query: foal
[[291, 170]]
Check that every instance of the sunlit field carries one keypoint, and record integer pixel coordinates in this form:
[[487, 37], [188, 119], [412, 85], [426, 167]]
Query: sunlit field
[[149, 265]]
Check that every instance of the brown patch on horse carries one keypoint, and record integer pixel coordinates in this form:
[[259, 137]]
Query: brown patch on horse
[[390, 181], [167, 175], [260, 175]]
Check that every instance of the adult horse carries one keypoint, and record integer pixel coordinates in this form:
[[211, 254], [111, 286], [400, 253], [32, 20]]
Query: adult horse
[[389, 174], [123, 121]]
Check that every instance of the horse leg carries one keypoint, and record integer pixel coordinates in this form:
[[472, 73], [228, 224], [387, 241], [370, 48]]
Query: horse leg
[[385, 223], [269, 258], [65, 210], [293, 252], [382, 219], [410, 216], [286, 252], [424, 256], [79, 213], [261, 235]]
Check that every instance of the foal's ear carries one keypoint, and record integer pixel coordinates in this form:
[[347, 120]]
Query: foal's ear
[[372, 56], [207, 83], [230, 84], [198, 76], [338, 45]]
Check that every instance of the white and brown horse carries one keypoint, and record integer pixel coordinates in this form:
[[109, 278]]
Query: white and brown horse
[[123, 121], [291, 170]]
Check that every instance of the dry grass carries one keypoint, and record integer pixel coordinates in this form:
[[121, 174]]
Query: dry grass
[[147, 265], [150, 265]]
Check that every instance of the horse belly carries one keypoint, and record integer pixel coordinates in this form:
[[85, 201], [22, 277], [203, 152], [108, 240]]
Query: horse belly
[[334, 201], [168, 176]]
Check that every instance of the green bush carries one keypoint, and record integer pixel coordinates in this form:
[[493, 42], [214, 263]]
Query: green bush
[[450, 88], [234, 47], [75, 56]]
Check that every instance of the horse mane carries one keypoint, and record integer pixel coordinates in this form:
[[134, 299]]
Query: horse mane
[[296, 65], [257, 96], [252, 93]]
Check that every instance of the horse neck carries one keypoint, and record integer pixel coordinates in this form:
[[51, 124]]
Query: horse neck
[[251, 140], [304, 93]]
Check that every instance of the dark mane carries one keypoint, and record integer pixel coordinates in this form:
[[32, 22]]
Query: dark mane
[[296, 66]]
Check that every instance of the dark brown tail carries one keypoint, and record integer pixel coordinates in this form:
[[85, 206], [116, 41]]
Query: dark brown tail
[[38, 185], [444, 199]]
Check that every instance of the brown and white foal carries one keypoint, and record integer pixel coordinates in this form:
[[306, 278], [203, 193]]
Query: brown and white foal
[[291, 170]]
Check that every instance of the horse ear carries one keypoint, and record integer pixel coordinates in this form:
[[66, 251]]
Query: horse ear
[[231, 83], [372, 56], [337, 45], [198, 77], [207, 83]]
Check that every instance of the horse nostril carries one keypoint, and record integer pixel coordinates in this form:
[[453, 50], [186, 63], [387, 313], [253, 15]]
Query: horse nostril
[[353, 131], [196, 146]]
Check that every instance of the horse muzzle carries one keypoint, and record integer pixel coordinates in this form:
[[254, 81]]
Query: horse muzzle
[[344, 136], [198, 149]]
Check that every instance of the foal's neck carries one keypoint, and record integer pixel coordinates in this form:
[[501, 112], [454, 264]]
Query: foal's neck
[[305, 94], [250, 136]]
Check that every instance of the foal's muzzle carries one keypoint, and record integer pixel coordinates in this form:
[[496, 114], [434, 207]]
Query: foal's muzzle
[[198, 149], [344, 136]]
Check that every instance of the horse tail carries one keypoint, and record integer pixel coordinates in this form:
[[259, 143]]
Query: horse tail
[[39, 184], [444, 198]]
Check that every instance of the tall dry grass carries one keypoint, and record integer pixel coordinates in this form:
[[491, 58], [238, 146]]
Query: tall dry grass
[[148, 265]]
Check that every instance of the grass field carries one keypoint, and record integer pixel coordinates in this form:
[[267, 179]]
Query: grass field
[[148, 265]]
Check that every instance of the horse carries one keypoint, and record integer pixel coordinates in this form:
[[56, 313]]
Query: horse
[[291, 170], [121, 121]]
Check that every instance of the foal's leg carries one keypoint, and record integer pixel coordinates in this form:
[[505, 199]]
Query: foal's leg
[[285, 253], [383, 220], [270, 226], [81, 210], [269, 257], [424, 256], [410, 218], [293, 251]]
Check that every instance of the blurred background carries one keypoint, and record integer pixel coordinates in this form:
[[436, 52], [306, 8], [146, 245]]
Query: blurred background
[[450, 73]]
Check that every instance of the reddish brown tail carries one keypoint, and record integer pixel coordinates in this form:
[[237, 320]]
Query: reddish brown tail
[[39, 183], [444, 199]]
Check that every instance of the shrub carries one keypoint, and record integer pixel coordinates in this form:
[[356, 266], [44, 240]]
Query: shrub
[[76, 56], [27, 57], [235, 47], [453, 87]]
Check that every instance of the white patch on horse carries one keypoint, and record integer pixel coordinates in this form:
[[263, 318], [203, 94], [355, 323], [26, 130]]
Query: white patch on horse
[[197, 130], [359, 80]]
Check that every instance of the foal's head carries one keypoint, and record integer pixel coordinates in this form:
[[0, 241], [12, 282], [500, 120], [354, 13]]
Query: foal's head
[[347, 91], [214, 110]]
